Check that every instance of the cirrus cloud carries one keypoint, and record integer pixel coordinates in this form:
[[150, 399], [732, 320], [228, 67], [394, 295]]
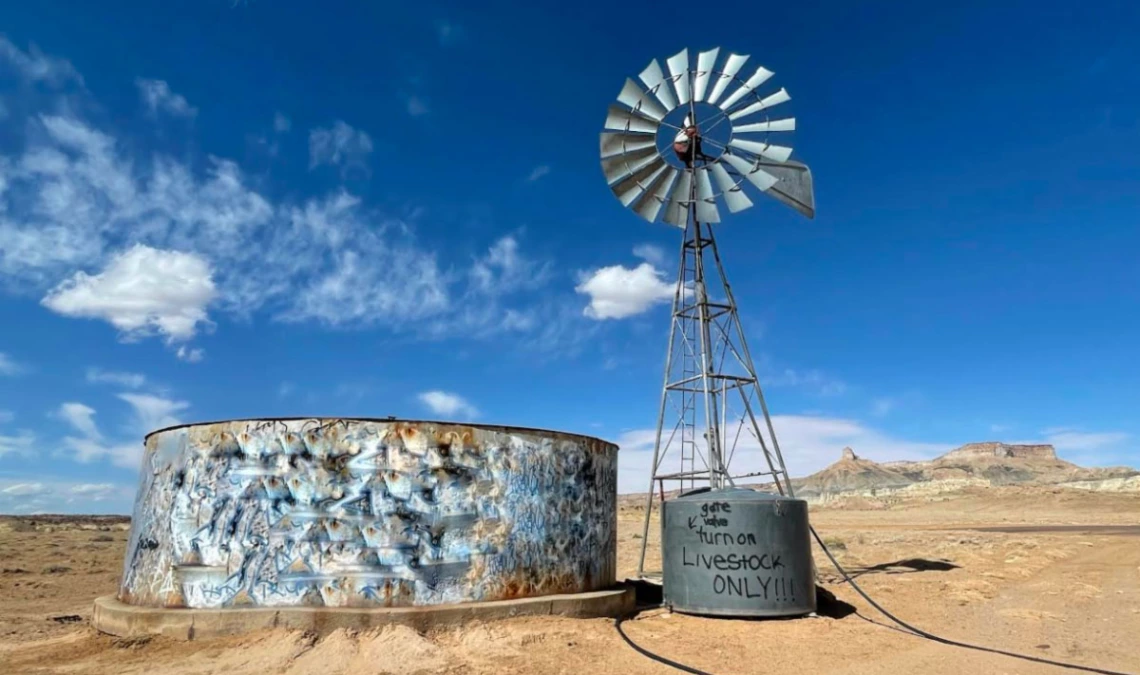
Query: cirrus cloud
[[160, 245], [158, 97]]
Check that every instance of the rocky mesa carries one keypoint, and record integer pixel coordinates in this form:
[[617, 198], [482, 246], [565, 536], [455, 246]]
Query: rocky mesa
[[973, 464]]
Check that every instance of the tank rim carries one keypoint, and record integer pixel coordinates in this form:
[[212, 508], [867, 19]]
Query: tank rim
[[738, 493], [503, 428]]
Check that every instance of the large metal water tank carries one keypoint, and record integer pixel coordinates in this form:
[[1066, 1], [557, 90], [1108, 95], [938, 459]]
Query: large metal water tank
[[337, 512], [737, 552]]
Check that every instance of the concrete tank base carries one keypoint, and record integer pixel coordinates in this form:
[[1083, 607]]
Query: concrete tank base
[[120, 619]]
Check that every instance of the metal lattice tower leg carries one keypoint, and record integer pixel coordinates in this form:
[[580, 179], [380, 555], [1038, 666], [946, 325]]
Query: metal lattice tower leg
[[711, 394]]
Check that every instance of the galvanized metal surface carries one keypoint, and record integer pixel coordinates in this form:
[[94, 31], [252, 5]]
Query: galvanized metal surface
[[368, 513], [737, 552]]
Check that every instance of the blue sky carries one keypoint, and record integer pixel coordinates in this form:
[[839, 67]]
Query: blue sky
[[268, 209]]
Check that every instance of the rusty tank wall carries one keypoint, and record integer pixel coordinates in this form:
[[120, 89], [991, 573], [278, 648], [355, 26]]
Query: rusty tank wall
[[368, 513]]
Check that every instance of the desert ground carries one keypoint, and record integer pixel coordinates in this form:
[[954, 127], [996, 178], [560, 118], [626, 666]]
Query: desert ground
[[1045, 571]]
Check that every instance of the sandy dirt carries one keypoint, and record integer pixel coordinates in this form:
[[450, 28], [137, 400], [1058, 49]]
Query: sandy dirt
[[1049, 572]]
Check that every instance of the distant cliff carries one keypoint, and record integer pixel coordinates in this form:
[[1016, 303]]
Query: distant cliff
[[851, 473], [990, 463], [1002, 451]]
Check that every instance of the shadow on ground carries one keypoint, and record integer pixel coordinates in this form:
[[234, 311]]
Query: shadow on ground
[[650, 596], [826, 604], [906, 566]]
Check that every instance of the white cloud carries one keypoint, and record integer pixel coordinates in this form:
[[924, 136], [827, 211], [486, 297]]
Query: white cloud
[[808, 443], [21, 444], [190, 354], [8, 366], [97, 491], [443, 403], [34, 66], [281, 123], [340, 145], [1072, 439], [158, 97], [617, 292], [6, 416], [81, 417], [650, 253], [416, 106], [354, 293], [86, 450], [24, 489], [142, 291], [504, 269], [123, 379], [285, 389], [154, 412], [150, 413], [538, 172], [49, 495]]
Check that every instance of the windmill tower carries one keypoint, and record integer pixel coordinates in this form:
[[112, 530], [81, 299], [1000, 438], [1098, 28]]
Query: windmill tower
[[679, 146]]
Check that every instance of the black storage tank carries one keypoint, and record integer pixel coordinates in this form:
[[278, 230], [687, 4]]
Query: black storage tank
[[737, 552]]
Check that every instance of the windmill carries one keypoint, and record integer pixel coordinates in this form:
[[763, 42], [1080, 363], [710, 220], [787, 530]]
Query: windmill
[[678, 146]]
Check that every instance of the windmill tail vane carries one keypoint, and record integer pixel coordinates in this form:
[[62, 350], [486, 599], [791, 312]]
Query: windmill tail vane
[[686, 141]]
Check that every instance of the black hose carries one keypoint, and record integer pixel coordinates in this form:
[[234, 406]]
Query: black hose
[[656, 657], [912, 629]]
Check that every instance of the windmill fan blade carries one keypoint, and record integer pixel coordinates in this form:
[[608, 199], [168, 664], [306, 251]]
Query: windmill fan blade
[[731, 67], [655, 80], [677, 208], [617, 143], [705, 63], [776, 153], [733, 194], [795, 186], [620, 119], [771, 125], [641, 101], [630, 189], [679, 69], [706, 198], [766, 102], [640, 170], [618, 167], [650, 203], [758, 177], [758, 78]]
